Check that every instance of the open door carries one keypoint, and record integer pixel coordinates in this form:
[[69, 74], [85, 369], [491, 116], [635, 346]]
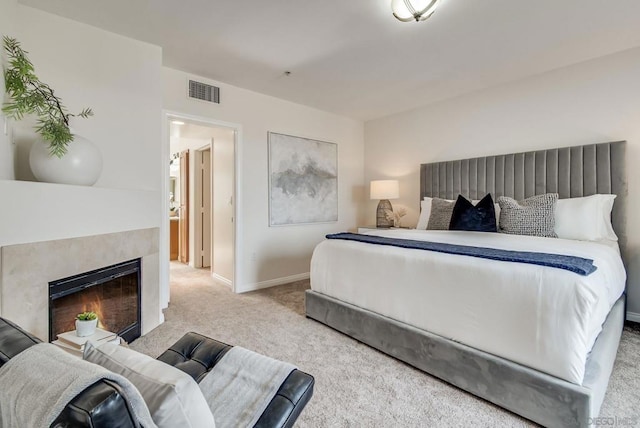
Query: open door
[[183, 226], [202, 207]]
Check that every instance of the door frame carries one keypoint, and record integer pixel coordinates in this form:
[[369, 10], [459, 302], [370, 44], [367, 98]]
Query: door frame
[[167, 117]]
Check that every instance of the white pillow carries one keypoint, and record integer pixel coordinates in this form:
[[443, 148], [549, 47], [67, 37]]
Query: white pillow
[[172, 396], [585, 219], [425, 212]]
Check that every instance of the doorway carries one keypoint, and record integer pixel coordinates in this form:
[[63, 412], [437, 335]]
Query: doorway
[[202, 182]]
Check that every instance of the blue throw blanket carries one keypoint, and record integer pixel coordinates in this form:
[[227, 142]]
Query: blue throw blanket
[[579, 265]]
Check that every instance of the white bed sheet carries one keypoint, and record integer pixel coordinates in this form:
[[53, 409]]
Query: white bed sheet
[[544, 318]]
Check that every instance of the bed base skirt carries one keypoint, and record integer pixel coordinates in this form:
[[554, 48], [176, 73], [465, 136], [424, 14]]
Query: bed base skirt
[[537, 396]]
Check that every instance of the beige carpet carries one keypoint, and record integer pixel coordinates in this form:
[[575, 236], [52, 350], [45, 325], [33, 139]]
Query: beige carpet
[[356, 386]]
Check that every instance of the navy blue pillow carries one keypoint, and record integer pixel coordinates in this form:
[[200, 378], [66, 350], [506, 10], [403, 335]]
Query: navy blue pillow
[[481, 218]]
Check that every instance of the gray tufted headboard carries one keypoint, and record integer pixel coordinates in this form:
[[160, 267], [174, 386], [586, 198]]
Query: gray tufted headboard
[[570, 171]]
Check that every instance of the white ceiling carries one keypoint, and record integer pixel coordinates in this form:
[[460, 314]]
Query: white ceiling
[[351, 57]]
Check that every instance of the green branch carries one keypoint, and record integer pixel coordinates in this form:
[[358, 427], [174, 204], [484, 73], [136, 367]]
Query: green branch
[[28, 95]]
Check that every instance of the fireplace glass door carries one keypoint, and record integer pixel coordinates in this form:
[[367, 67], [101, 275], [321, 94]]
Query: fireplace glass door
[[113, 293]]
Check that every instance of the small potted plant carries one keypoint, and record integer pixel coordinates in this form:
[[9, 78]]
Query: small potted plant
[[86, 323]]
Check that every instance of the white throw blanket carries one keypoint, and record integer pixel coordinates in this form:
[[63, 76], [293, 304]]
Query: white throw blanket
[[37, 384], [239, 388]]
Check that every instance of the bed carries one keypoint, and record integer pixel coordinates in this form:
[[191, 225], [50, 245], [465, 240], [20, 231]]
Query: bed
[[545, 352]]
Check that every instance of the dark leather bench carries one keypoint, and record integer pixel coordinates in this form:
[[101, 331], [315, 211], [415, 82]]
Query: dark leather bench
[[103, 403], [196, 355]]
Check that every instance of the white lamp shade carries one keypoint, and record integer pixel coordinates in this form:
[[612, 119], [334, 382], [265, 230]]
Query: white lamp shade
[[385, 189], [413, 10]]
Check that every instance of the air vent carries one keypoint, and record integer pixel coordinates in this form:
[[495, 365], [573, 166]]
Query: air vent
[[204, 92]]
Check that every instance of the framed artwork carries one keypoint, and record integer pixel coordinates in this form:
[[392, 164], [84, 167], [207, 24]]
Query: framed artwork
[[303, 180]]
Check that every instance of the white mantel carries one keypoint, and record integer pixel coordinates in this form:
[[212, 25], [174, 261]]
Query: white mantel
[[28, 268]]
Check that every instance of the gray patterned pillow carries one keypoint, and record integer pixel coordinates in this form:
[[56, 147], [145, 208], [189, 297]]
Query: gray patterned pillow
[[441, 211], [535, 216]]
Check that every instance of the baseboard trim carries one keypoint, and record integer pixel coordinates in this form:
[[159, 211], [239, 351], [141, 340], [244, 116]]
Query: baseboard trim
[[222, 280], [633, 316], [272, 282]]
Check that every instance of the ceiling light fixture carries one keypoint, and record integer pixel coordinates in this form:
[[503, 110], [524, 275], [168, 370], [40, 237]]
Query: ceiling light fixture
[[177, 122], [413, 10]]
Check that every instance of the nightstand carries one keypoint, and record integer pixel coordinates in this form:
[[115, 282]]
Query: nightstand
[[364, 229]]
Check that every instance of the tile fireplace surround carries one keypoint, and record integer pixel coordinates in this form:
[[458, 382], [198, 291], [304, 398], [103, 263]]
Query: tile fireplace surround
[[27, 269]]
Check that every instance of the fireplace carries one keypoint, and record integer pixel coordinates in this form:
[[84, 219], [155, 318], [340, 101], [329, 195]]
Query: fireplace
[[112, 292], [27, 269]]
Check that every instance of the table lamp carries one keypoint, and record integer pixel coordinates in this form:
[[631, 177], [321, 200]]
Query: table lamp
[[384, 190]]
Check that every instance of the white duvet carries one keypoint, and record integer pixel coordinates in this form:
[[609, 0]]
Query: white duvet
[[544, 318]]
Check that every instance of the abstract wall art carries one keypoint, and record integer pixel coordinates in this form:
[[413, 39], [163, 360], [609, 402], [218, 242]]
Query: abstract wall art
[[303, 180]]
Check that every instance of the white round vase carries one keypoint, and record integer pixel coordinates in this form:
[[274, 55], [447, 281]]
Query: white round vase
[[86, 328], [81, 165]]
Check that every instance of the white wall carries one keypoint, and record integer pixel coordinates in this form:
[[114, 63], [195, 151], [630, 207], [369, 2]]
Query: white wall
[[271, 255], [222, 208], [44, 211], [8, 16], [592, 102], [120, 79]]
